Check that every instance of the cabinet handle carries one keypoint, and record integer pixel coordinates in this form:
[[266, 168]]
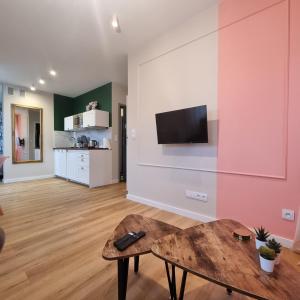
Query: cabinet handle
[[82, 168]]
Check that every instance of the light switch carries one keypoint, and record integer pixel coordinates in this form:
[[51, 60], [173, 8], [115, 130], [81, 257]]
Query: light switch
[[133, 133]]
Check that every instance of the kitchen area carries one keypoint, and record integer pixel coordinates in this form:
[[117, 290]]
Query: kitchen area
[[88, 149]]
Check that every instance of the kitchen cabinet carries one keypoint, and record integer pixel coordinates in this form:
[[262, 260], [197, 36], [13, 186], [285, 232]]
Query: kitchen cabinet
[[95, 118], [60, 159], [68, 123], [89, 167]]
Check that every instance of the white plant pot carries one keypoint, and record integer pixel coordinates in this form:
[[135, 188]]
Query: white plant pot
[[259, 243], [266, 264]]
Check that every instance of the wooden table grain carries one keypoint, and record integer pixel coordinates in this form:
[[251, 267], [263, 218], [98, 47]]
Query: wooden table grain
[[153, 229], [210, 251]]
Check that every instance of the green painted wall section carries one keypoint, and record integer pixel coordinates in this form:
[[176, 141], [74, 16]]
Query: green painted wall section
[[67, 106], [102, 94], [63, 107]]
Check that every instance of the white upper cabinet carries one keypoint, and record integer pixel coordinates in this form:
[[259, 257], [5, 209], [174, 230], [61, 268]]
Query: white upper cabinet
[[68, 124], [96, 118]]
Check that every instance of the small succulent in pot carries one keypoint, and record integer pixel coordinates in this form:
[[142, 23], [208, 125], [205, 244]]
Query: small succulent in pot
[[276, 246], [267, 258], [261, 236]]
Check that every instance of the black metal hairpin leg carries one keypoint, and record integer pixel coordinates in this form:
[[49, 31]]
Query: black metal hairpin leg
[[182, 288], [122, 278], [136, 264], [171, 281], [174, 282], [229, 291]]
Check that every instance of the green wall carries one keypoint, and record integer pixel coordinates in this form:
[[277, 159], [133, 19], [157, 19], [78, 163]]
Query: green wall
[[66, 106], [63, 107]]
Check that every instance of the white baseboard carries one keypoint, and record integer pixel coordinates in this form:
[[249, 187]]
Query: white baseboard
[[170, 208], [283, 241], [12, 180], [195, 216], [115, 181]]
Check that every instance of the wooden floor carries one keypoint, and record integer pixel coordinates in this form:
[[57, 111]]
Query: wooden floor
[[55, 234]]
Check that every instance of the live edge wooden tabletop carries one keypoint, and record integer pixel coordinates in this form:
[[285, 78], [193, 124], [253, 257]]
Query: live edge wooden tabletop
[[210, 251], [154, 230]]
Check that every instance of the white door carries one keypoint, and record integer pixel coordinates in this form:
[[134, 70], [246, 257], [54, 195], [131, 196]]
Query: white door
[[60, 158], [88, 119], [68, 123], [101, 118], [96, 118], [72, 165]]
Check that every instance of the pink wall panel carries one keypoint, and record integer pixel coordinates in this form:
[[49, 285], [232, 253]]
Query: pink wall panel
[[252, 88], [234, 10], [250, 199]]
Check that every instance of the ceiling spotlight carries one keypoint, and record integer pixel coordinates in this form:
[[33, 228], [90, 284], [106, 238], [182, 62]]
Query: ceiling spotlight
[[115, 24], [32, 88], [42, 81], [52, 73]]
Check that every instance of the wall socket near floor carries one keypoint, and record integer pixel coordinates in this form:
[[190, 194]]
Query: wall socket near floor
[[288, 214], [196, 195]]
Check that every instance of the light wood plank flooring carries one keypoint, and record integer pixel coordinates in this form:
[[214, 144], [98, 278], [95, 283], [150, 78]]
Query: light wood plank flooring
[[55, 234]]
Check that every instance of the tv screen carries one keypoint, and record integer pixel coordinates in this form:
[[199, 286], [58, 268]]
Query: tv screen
[[182, 126]]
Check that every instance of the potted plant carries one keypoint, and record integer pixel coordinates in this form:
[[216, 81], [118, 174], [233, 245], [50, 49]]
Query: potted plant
[[267, 259], [276, 246], [261, 237]]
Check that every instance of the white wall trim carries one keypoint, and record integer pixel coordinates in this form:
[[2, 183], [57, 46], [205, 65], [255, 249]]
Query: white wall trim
[[170, 208], [281, 177], [12, 180], [195, 216]]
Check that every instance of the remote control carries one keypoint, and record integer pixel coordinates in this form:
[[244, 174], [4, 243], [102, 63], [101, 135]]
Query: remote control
[[128, 239]]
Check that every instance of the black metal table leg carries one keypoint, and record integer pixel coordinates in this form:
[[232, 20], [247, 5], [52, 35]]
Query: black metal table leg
[[122, 278], [136, 264], [182, 288], [174, 282], [169, 280], [229, 291]]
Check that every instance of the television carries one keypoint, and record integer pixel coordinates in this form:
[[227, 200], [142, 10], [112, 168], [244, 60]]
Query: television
[[182, 126]]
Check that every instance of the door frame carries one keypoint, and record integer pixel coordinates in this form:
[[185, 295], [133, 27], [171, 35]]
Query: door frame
[[122, 143]]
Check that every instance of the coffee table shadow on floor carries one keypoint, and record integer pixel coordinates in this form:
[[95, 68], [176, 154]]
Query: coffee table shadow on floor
[[139, 286]]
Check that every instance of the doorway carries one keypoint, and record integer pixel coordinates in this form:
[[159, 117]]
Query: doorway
[[123, 142]]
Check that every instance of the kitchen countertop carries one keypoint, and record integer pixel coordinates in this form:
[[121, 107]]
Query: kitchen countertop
[[75, 148]]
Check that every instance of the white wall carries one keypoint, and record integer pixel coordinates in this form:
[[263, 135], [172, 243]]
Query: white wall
[[119, 94], [179, 70], [17, 172]]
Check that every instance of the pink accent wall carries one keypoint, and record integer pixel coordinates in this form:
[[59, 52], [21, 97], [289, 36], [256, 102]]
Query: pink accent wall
[[252, 103], [234, 10]]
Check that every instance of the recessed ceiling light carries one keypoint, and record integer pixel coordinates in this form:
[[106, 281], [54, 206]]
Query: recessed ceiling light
[[115, 24], [42, 81], [52, 73], [32, 88]]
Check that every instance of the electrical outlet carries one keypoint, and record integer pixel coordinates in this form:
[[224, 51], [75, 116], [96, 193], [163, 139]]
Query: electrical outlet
[[196, 195], [288, 214]]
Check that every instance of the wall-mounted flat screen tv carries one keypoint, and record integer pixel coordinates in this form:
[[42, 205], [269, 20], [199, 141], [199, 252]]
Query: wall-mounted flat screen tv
[[182, 126]]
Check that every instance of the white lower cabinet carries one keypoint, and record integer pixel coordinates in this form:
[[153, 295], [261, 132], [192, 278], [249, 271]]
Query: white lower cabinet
[[90, 167], [60, 159]]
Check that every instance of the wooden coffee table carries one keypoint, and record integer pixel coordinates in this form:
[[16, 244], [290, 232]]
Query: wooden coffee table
[[210, 251], [154, 230]]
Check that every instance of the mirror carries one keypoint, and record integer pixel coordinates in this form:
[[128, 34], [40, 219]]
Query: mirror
[[27, 134]]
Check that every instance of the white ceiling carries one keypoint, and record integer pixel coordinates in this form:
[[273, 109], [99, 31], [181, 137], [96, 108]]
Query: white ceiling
[[75, 38]]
